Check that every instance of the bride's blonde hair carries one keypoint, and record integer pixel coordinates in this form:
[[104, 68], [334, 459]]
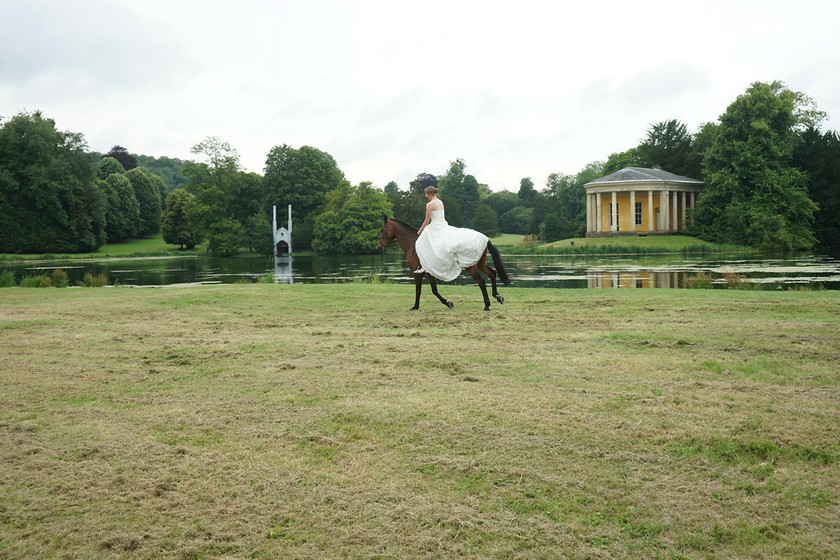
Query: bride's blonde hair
[[431, 190]]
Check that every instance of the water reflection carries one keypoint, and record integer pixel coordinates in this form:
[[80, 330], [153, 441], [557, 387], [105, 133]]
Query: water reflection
[[638, 279], [662, 271], [283, 270]]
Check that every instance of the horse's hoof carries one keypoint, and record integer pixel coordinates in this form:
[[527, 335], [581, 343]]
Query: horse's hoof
[[487, 308], [500, 299], [415, 308], [450, 305]]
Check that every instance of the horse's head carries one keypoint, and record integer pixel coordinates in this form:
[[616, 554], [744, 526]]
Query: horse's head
[[386, 234]]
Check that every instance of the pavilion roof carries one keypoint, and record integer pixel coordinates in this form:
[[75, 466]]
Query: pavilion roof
[[636, 174]]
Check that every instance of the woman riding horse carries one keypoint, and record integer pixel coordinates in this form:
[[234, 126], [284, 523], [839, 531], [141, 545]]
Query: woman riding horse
[[440, 251]]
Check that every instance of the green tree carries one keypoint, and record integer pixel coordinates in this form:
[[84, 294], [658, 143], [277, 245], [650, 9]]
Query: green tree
[[301, 178], [175, 223], [148, 197], [247, 198], [49, 201], [502, 201], [122, 219], [108, 166], [354, 227], [618, 161], [219, 187], [486, 221], [754, 194], [517, 220], [225, 238], [569, 195], [169, 169], [456, 184], [257, 234], [527, 193], [392, 191]]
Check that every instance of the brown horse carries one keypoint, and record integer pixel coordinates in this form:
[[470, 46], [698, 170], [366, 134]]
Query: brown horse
[[406, 237]]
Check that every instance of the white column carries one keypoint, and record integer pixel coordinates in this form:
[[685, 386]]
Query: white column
[[614, 223], [632, 210], [598, 220], [651, 224], [684, 203], [588, 212], [675, 209], [663, 210]]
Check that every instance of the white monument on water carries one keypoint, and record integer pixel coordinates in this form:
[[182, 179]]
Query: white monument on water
[[282, 249], [283, 235]]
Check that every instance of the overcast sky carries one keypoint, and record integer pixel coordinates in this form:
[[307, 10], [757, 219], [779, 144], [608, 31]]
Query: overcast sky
[[393, 88]]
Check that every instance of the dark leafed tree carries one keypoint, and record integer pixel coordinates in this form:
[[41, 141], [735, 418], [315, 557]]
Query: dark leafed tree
[[411, 205], [668, 146], [422, 181], [120, 154], [818, 155]]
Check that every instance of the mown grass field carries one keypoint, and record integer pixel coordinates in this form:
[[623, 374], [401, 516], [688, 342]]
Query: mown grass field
[[328, 421]]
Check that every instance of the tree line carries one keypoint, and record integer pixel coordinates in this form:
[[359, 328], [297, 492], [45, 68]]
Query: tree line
[[770, 172]]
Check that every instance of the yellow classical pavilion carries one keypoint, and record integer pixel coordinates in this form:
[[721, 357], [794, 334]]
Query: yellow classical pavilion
[[639, 201]]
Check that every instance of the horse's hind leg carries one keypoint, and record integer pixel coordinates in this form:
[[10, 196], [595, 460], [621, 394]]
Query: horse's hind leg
[[476, 275], [443, 300], [491, 273]]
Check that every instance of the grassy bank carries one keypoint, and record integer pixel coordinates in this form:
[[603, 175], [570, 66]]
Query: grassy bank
[[328, 421], [151, 246], [655, 244]]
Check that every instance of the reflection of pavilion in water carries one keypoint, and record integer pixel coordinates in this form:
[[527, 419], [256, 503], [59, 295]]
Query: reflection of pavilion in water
[[635, 279], [283, 270]]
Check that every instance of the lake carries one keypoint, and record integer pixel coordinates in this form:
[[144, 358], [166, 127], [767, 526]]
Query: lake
[[660, 271]]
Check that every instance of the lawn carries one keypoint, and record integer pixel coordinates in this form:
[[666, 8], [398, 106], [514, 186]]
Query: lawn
[[328, 421], [665, 243]]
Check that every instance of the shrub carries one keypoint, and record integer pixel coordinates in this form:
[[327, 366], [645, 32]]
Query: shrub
[[701, 280], [40, 281], [59, 279], [7, 279], [529, 240], [735, 281], [91, 281]]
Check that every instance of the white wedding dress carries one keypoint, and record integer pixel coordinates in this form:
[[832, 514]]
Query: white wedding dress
[[444, 250]]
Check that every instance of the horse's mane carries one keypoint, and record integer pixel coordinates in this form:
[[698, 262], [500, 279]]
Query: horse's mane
[[405, 225]]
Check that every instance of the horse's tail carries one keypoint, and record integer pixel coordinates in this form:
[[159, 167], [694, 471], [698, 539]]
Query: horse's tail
[[500, 266]]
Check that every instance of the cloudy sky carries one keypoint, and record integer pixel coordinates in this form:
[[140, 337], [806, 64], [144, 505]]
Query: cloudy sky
[[393, 88]]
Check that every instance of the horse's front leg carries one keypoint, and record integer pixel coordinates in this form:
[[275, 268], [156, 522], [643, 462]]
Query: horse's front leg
[[443, 300], [476, 275], [418, 287]]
